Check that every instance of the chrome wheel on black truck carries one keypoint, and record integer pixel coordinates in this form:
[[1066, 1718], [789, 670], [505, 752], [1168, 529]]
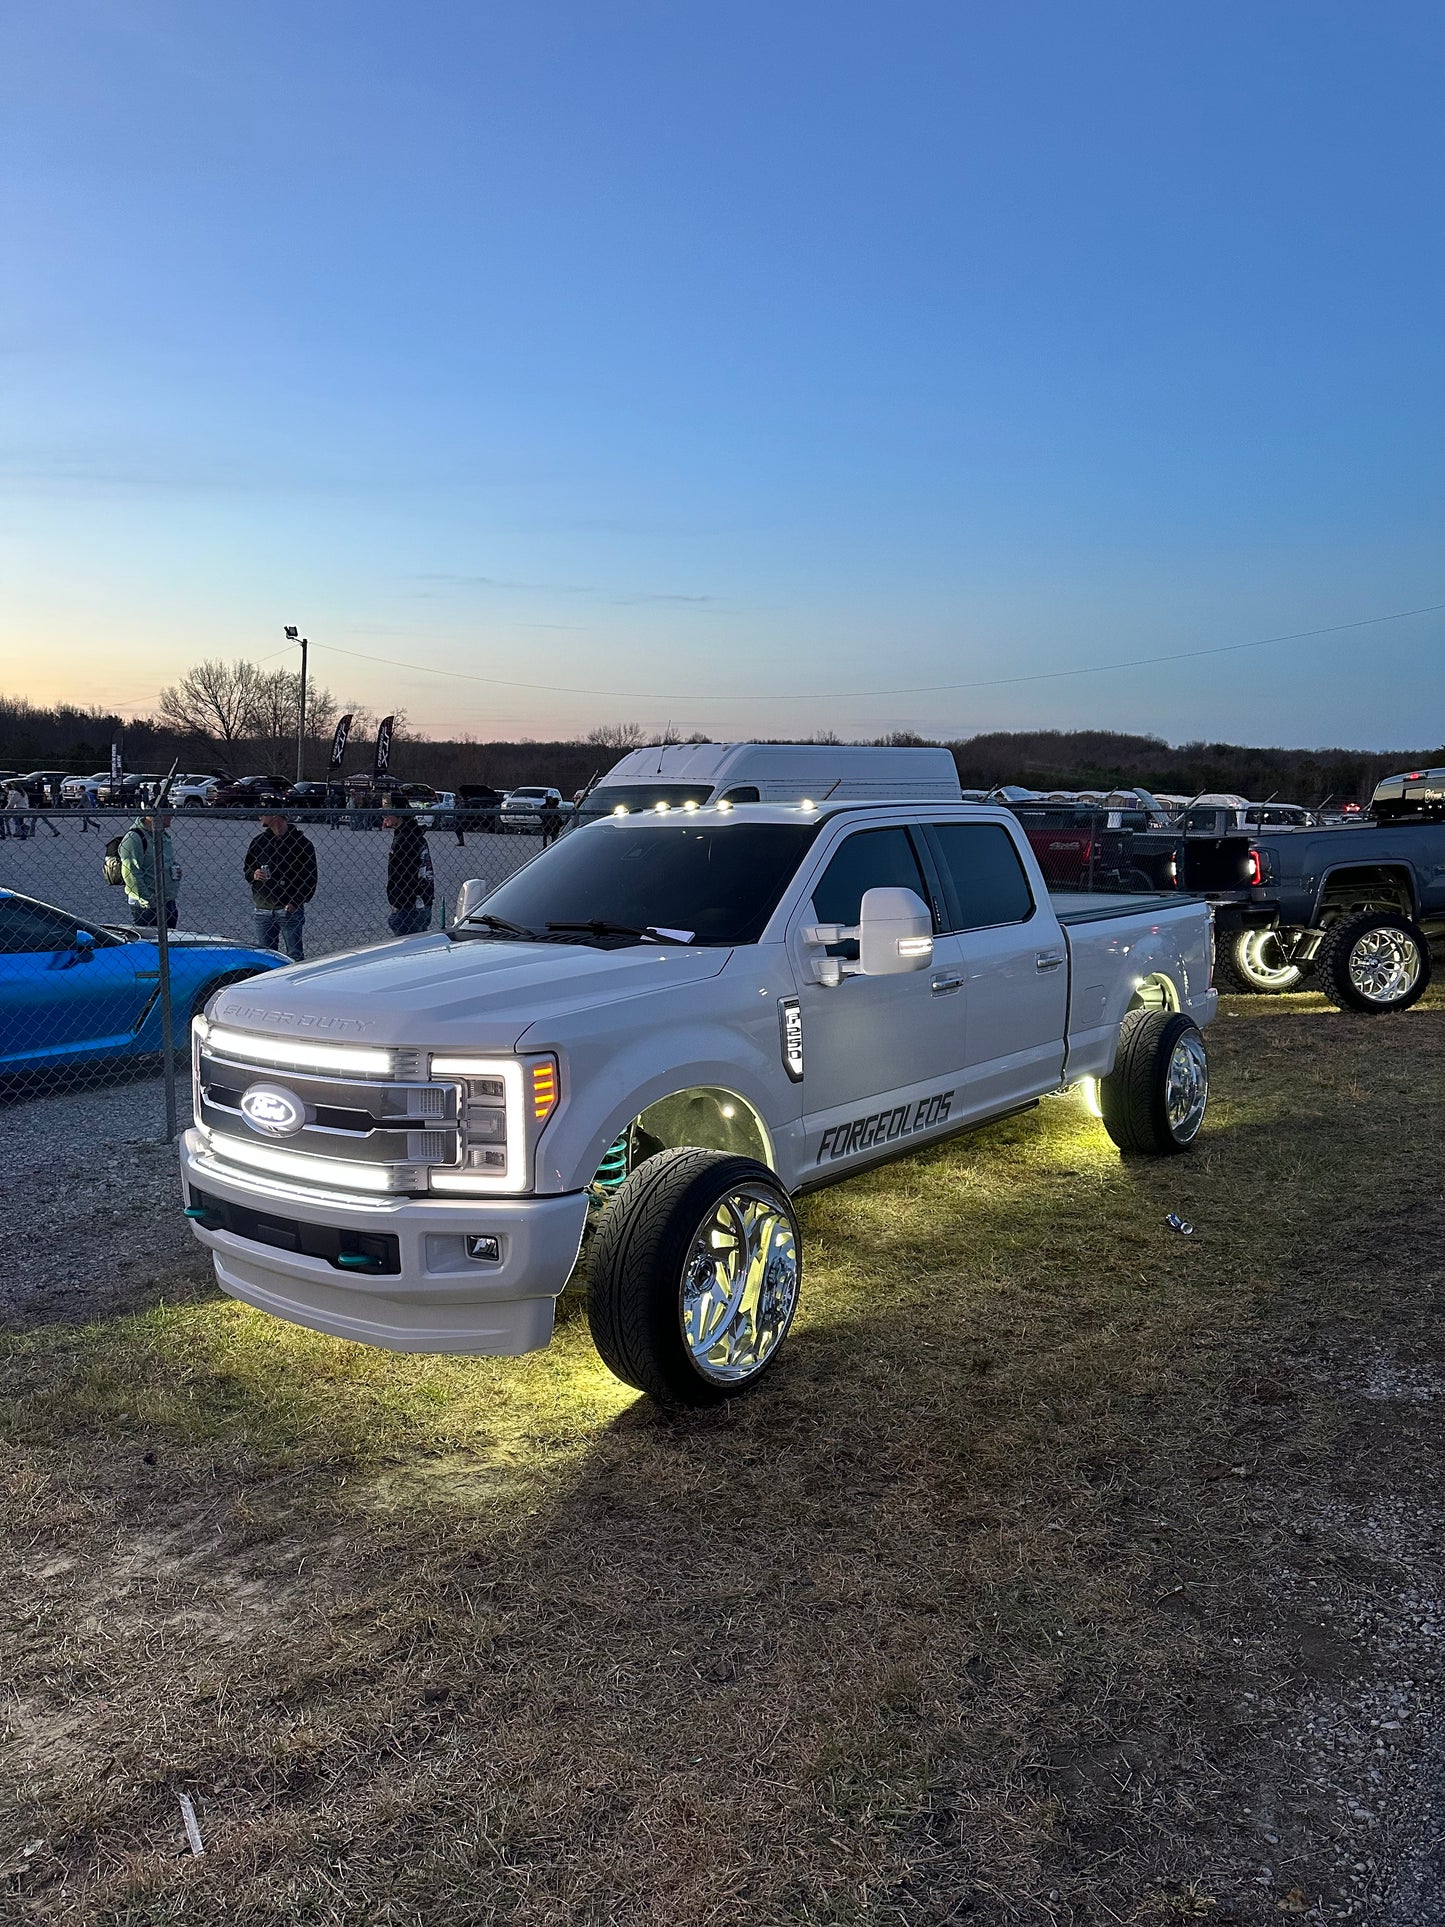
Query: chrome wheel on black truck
[[1154, 1099], [1375, 962], [694, 1276]]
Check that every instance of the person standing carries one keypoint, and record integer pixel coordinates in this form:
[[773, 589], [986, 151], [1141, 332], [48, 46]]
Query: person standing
[[280, 866], [17, 803], [138, 869], [92, 803], [410, 881]]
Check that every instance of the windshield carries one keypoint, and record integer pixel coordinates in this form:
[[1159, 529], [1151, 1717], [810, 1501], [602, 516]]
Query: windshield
[[642, 796], [721, 881]]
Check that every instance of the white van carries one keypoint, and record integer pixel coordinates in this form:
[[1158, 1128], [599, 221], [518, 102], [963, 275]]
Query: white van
[[700, 773]]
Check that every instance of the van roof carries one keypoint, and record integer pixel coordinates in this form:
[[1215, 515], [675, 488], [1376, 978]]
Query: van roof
[[816, 762]]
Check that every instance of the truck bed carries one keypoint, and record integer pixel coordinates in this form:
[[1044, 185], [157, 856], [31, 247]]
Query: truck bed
[[1093, 906]]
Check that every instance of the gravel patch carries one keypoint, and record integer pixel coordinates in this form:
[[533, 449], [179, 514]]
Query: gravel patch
[[90, 1215]]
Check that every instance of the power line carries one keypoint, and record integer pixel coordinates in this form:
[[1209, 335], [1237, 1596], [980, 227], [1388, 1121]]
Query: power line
[[912, 689]]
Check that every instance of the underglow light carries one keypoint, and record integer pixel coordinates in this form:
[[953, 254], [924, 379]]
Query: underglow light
[[290, 1164], [1090, 1088], [282, 1050]]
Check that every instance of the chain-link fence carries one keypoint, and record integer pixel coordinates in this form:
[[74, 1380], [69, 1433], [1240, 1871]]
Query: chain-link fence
[[93, 976]]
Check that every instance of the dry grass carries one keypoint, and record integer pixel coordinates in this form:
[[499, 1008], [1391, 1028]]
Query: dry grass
[[952, 1622]]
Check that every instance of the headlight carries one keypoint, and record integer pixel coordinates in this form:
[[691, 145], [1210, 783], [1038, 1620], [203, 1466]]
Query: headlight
[[504, 1104]]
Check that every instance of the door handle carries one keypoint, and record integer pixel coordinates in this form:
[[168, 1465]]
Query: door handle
[[941, 984], [1045, 960]]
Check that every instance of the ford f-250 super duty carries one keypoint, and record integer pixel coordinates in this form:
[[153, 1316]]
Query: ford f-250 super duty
[[673, 1023]]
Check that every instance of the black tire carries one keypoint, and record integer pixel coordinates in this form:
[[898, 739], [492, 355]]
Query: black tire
[[1134, 1097], [635, 1300], [1238, 966], [1340, 967]]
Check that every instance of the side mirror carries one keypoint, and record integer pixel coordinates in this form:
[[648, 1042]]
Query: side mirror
[[470, 897], [895, 932]]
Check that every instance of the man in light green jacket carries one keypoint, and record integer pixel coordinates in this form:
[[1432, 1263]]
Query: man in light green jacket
[[138, 869]]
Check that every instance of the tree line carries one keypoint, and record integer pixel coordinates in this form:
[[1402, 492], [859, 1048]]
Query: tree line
[[239, 719]]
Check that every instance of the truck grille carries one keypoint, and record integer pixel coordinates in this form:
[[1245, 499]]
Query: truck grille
[[393, 1131]]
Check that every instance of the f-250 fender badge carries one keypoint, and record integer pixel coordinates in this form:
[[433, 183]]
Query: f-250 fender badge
[[884, 1127]]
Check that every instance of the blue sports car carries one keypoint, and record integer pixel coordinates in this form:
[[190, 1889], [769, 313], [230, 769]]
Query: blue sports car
[[73, 992]]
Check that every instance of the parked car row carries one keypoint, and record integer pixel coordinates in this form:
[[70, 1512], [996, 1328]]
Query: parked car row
[[475, 806]]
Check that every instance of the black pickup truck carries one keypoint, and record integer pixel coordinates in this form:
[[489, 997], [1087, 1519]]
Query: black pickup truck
[[1348, 910]]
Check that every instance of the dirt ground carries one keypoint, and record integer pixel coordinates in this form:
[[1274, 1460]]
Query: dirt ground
[[1068, 1569]]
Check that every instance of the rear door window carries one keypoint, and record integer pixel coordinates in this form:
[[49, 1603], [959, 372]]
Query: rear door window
[[984, 879]]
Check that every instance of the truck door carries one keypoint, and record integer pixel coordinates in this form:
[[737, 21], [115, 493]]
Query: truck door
[[1014, 963], [880, 1054]]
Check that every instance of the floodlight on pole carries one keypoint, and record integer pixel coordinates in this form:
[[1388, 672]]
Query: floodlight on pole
[[293, 634]]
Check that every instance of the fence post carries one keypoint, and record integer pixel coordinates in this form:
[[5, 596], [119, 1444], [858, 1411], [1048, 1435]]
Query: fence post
[[163, 959]]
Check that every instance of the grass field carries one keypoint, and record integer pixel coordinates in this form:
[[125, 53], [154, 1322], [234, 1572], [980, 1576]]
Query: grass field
[[1047, 1580]]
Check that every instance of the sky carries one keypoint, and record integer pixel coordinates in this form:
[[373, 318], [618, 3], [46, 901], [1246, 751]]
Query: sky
[[757, 369]]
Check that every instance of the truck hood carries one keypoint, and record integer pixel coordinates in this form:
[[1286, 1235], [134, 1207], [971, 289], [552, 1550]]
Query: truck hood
[[475, 995]]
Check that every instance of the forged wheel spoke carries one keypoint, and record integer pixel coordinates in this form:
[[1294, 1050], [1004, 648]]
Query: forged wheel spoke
[[1186, 1087], [1384, 965], [739, 1286]]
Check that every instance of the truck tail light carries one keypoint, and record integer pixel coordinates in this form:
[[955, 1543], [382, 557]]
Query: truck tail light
[[1254, 869], [544, 1089]]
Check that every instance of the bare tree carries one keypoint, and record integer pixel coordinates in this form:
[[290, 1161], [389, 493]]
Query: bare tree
[[277, 711], [617, 736], [216, 701]]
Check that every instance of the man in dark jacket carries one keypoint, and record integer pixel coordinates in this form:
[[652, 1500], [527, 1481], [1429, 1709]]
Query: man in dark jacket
[[280, 866], [410, 882]]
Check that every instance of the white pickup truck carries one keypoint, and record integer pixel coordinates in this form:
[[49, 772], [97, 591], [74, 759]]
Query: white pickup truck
[[670, 1024]]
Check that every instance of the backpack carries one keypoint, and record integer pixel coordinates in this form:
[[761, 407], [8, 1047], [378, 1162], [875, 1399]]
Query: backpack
[[110, 863]]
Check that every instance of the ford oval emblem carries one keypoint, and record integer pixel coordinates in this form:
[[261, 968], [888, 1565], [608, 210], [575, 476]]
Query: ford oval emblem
[[273, 1111]]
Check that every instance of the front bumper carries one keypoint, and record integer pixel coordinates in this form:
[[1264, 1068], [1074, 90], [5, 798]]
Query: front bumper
[[438, 1300]]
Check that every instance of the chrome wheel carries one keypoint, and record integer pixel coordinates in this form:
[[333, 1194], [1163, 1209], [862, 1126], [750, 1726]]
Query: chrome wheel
[[1261, 960], [739, 1286], [1186, 1088], [1384, 965]]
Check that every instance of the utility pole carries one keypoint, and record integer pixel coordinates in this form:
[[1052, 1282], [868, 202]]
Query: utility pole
[[293, 635]]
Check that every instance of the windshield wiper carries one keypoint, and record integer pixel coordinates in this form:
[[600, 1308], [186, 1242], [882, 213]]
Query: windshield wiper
[[600, 927], [499, 924]]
